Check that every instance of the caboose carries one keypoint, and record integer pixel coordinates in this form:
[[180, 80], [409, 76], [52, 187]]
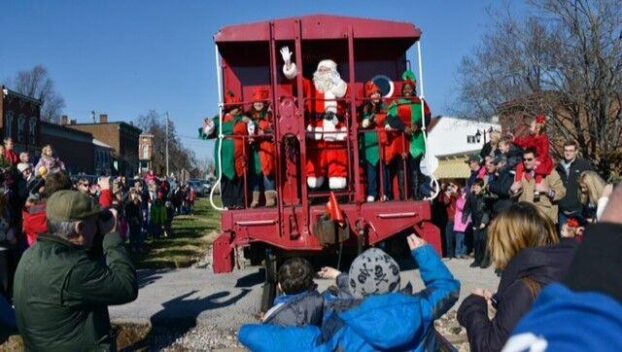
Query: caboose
[[247, 58]]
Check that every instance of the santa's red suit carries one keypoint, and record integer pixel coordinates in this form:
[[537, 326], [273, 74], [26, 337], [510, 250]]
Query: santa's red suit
[[326, 129]]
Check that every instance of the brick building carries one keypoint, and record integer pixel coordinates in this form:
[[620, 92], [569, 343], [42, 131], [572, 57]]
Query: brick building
[[75, 148], [20, 119], [121, 136]]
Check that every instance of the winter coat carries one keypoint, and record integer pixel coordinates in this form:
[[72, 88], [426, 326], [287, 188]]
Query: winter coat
[[487, 151], [296, 310], [158, 214], [461, 224], [61, 294], [499, 188], [526, 274], [547, 205], [35, 222], [476, 208], [133, 213], [392, 321], [584, 312], [449, 202], [571, 204], [514, 156]]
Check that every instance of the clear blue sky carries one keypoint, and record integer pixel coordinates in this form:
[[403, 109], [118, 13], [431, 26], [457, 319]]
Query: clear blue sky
[[126, 57]]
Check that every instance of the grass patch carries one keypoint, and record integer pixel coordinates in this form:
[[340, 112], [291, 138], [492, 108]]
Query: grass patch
[[192, 236]]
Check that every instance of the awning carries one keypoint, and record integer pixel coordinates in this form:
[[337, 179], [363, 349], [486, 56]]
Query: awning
[[453, 167]]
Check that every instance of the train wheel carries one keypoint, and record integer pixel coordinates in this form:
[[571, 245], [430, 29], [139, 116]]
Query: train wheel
[[269, 287]]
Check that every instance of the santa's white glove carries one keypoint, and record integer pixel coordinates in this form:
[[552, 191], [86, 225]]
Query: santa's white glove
[[286, 55], [366, 123], [387, 127], [250, 127], [335, 78]]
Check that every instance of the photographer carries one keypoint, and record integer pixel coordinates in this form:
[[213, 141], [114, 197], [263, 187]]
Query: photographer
[[61, 291]]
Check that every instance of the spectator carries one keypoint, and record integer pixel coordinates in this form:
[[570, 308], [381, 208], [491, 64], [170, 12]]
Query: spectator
[[477, 171], [523, 245], [9, 153], [511, 151], [300, 304], [134, 215], [500, 182], [448, 198], [569, 169], [157, 218], [4, 163], [491, 148], [61, 293], [33, 214], [49, 161], [544, 194], [461, 225], [595, 193], [538, 140], [383, 318], [584, 311], [480, 218], [84, 186]]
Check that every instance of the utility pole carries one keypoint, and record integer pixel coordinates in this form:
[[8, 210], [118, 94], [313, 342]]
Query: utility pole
[[167, 173]]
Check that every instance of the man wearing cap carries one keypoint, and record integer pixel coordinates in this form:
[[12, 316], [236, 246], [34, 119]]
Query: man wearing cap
[[61, 291]]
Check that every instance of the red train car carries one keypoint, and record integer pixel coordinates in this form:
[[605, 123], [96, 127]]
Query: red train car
[[364, 49]]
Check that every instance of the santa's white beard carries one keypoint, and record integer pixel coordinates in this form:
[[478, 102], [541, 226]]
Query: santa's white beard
[[323, 81]]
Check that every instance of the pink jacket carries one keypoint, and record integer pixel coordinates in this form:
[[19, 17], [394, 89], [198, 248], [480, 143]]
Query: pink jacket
[[460, 226]]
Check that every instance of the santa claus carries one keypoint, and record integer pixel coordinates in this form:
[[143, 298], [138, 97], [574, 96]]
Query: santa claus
[[326, 148]]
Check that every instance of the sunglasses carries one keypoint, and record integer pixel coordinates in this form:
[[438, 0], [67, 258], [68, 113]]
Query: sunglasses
[[528, 159]]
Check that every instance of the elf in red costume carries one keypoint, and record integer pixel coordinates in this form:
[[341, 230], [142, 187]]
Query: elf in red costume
[[326, 147], [537, 139], [262, 163], [234, 150], [406, 117], [375, 142]]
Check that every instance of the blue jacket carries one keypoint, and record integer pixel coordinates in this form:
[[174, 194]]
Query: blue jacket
[[384, 322], [565, 320]]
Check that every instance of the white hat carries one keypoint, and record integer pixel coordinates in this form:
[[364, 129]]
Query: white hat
[[328, 64], [21, 167]]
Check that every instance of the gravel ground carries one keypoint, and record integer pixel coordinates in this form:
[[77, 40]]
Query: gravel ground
[[196, 310]]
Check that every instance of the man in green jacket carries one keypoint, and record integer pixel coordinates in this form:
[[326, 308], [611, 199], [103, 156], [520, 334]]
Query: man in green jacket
[[62, 290]]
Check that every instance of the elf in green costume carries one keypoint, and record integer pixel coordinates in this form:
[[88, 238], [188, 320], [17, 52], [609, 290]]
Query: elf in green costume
[[405, 115], [234, 150], [262, 168], [374, 143]]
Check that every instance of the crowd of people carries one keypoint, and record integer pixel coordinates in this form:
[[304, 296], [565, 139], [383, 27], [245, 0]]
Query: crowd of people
[[143, 206]]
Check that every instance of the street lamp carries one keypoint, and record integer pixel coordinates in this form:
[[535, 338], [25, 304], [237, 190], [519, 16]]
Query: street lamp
[[477, 137]]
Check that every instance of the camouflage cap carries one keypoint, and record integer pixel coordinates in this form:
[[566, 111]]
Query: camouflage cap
[[71, 205]]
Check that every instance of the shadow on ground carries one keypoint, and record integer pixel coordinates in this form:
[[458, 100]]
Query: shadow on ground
[[176, 318]]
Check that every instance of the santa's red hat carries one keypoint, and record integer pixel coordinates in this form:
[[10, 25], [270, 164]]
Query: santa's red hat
[[541, 119], [371, 88], [260, 94]]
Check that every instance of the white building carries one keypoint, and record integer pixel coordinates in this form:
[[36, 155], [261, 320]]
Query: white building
[[453, 140]]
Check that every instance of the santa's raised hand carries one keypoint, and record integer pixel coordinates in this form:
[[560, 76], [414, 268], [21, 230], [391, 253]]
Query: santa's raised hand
[[286, 55]]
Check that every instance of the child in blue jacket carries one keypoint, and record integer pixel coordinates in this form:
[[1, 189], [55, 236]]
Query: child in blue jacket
[[384, 319]]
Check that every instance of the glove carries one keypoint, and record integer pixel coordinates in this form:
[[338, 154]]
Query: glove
[[250, 127], [286, 55], [365, 123], [335, 78]]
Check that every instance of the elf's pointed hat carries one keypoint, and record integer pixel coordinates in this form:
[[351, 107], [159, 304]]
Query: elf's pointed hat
[[336, 214], [409, 78], [260, 94], [371, 88], [231, 101]]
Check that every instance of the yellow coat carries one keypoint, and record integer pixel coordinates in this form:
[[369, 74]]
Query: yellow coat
[[546, 204]]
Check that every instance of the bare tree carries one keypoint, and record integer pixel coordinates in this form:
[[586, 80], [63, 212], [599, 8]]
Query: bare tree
[[565, 61], [36, 83], [180, 157]]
